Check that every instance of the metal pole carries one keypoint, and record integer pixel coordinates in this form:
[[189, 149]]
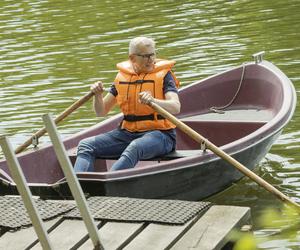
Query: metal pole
[[24, 191], [72, 181]]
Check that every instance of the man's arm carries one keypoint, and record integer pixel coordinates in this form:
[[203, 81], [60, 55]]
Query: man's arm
[[170, 104], [102, 105]]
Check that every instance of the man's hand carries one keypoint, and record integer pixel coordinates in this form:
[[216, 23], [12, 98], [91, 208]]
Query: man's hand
[[97, 88], [146, 97]]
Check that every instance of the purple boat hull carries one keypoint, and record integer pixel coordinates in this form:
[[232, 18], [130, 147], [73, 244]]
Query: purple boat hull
[[264, 104]]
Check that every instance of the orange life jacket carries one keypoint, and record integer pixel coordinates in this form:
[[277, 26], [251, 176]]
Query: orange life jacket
[[140, 117]]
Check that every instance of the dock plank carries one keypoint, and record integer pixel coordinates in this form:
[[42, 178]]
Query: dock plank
[[19, 240], [211, 230], [67, 235], [114, 235], [158, 236]]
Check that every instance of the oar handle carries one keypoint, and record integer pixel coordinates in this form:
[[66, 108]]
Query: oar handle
[[59, 118], [200, 139]]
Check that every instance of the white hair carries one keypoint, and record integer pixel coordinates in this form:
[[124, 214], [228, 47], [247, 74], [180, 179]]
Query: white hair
[[136, 43]]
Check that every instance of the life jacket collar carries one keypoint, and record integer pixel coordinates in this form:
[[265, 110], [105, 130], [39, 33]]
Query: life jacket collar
[[159, 64]]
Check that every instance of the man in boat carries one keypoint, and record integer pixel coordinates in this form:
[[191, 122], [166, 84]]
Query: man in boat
[[142, 134]]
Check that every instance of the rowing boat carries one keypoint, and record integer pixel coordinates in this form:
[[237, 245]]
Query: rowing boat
[[242, 110]]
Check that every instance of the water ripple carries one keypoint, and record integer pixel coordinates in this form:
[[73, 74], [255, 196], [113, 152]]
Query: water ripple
[[51, 51]]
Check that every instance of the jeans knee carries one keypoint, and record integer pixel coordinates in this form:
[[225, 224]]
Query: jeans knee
[[132, 149], [86, 147]]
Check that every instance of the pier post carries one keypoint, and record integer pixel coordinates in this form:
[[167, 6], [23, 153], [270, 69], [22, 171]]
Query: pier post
[[72, 181], [24, 191]]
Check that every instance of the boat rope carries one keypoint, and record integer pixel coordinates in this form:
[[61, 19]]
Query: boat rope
[[220, 110]]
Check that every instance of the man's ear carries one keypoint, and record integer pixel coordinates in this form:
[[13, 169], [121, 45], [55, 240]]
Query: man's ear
[[131, 58]]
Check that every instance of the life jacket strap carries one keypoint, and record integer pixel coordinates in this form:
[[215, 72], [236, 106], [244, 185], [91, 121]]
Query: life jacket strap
[[137, 81], [135, 118]]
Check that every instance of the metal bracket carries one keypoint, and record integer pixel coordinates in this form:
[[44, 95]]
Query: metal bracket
[[35, 141], [258, 57], [203, 146]]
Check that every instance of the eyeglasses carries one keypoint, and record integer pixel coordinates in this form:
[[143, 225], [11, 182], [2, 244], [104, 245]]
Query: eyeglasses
[[146, 56]]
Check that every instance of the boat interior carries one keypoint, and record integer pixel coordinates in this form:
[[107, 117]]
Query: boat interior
[[250, 110], [219, 128]]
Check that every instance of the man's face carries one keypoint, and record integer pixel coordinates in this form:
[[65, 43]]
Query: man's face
[[144, 59]]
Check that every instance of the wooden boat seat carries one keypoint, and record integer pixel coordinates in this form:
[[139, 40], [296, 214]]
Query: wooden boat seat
[[179, 154], [233, 116], [172, 155]]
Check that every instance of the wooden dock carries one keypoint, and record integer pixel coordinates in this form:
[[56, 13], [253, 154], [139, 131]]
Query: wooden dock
[[108, 222], [204, 231]]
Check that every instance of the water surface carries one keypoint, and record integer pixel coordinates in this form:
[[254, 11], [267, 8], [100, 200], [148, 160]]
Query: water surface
[[51, 51]]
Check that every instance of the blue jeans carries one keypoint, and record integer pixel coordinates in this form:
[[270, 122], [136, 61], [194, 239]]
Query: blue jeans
[[129, 147]]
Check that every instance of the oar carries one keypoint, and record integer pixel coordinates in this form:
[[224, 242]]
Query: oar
[[200, 139], [59, 118]]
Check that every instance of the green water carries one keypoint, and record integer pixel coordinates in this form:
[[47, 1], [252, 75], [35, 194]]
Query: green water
[[51, 51]]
